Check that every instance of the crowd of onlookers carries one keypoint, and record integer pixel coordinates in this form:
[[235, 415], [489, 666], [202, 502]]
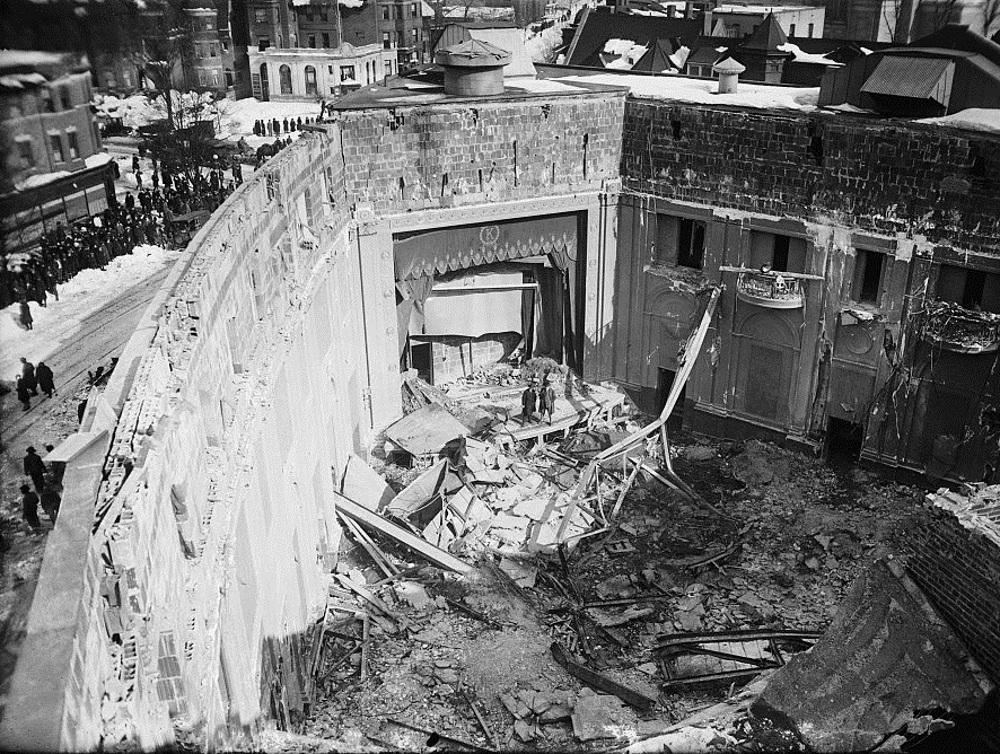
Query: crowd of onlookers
[[163, 210]]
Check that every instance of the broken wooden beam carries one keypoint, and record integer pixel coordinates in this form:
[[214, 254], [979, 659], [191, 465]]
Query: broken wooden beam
[[481, 617], [601, 682], [432, 734], [671, 640], [481, 720], [625, 488], [365, 541], [391, 615], [372, 520]]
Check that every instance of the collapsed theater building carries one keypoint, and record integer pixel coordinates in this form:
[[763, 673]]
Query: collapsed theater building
[[815, 279]]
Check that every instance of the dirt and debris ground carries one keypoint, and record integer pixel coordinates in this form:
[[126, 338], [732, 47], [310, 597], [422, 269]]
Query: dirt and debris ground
[[799, 532]]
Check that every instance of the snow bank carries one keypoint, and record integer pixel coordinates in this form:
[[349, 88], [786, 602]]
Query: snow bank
[[59, 322], [974, 118], [702, 91], [541, 46]]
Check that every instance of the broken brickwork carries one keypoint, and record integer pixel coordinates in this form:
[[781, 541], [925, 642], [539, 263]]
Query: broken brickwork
[[955, 558], [411, 158], [860, 172]]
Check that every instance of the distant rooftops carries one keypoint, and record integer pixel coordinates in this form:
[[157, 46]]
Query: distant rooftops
[[24, 69], [950, 70]]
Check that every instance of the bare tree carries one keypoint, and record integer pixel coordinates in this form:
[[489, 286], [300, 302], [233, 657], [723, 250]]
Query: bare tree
[[155, 37]]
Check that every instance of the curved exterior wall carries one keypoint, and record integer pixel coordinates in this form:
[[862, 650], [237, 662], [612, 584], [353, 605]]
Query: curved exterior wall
[[247, 382], [198, 524]]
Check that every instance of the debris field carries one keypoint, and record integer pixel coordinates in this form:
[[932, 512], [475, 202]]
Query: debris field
[[499, 594]]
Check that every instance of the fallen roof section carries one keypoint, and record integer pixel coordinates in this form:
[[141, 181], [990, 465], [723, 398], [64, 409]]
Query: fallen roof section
[[886, 659]]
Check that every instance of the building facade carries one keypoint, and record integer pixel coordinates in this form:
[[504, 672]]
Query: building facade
[[308, 74], [49, 135], [872, 329]]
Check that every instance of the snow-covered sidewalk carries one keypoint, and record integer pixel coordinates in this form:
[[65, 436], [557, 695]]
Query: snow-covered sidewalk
[[88, 292]]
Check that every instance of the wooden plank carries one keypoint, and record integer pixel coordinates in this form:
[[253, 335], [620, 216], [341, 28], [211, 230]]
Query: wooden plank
[[372, 520], [601, 682], [369, 546]]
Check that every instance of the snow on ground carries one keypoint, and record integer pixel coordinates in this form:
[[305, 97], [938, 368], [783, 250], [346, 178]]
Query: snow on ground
[[974, 118], [236, 117], [704, 91], [141, 110], [87, 292]]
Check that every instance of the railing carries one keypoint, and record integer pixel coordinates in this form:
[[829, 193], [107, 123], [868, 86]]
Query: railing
[[770, 289], [955, 328]]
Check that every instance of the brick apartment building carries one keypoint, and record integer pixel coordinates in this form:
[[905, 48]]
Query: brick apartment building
[[400, 27], [48, 137]]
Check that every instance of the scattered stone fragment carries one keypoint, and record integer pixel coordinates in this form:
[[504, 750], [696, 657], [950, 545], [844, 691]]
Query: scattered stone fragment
[[598, 716], [699, 452]]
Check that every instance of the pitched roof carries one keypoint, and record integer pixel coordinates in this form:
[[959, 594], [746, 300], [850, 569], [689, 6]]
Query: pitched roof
[[767, 36], [912, 77], [961, 37], [597, 27], [657, 57]]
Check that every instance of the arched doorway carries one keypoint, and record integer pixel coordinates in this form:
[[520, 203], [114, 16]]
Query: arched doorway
[[264, 93], [311, 81], [285, 79]]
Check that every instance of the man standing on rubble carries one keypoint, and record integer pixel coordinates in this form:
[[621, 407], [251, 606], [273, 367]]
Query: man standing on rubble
[[547, 400], [529, 399]]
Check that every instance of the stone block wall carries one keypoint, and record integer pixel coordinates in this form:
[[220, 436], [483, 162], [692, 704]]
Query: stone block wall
[[877, 175], [209, 524], [954, 555], [446, 155]]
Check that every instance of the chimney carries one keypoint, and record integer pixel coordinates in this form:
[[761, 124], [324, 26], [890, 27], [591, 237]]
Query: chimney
[[473, 68], [729, 71]]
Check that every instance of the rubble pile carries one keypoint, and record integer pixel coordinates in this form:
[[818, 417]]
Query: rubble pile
[[562, 614]]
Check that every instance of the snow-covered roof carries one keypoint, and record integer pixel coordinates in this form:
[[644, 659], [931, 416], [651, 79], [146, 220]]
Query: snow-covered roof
[[758, 10], [808, 57], [705, 91], [973, 118]]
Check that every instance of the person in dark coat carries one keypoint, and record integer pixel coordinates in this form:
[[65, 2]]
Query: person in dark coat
[[50, 503], [546, 400], [28, 375], [298, 122], [45, 381], [529, 399], [23, 394], [26, 319], [35, 468], [29, 508], [284, 125]]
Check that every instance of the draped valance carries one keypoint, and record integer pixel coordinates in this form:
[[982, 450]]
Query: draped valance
[[434, 252]]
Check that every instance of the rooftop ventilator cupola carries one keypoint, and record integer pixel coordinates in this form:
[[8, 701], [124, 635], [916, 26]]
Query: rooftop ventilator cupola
[[473, 68]]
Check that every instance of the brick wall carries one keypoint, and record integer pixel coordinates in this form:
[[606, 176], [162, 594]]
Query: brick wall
[[954, 555], [445, 155], [878, 175]]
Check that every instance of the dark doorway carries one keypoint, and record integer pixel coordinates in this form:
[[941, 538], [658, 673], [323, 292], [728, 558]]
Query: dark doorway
[[420, 359], [664, 381], [843, 442]]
